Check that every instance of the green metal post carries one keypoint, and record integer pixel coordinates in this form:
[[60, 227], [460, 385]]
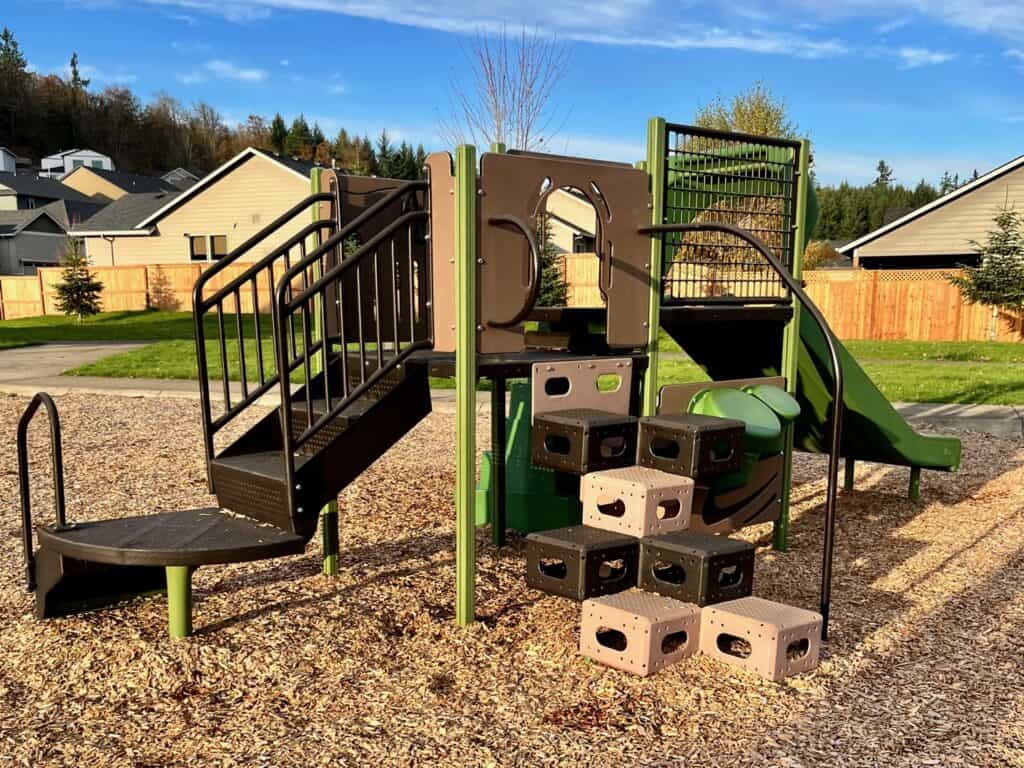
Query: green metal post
[[791, 338], [179, 601], [915, 483], [656, 158], [329, 514], [848, 475], [465, 382]]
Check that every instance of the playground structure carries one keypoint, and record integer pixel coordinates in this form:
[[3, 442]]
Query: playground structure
[[392, 281]]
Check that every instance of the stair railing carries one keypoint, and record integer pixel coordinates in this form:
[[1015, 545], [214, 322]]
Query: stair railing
[[57, 457], [229, 296], [836, 420], [380, 289]]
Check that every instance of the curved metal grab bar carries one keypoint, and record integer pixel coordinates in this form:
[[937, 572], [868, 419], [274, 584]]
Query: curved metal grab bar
[[837, 390], [40, 398], [535, 272]]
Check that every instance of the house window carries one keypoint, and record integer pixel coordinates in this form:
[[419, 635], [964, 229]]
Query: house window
[[96, 164], [77, 163], [583, 244], [207, 247], [197, 248]]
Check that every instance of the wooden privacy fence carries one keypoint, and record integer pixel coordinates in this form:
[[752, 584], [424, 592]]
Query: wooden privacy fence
[[125, 288], [878, 305]]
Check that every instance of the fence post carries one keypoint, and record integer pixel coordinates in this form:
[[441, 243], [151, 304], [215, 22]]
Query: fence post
[[42, 292]]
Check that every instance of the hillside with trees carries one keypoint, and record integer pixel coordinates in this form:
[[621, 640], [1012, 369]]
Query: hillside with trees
[[42, 114]]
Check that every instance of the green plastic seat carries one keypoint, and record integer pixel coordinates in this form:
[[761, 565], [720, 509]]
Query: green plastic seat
[[783, 404], [763, 434]]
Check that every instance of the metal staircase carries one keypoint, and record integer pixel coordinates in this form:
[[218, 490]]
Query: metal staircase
[[350, 305]]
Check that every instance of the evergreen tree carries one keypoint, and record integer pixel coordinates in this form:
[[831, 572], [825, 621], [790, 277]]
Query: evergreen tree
[[553, 290], [299, 141], [78, 292], [13, 65], [385, 156], [317, 136], [278, 133], [884, 177], [999, 281]]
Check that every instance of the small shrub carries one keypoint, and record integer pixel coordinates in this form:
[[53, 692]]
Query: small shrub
[[78, 292]]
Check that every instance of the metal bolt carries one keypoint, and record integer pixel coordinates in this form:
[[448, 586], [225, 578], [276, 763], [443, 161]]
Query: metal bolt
[[645, 324], [300, 510], [479, 327], [479, 261], [298, 486]]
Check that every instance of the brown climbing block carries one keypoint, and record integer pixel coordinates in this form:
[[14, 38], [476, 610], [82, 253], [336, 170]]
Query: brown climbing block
[[639, 632], [690, 444], [770, 639], [637, 501]]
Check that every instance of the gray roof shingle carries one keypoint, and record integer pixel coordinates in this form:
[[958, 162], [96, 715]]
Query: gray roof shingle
[[123, 214], [36, 186], [134, 182]]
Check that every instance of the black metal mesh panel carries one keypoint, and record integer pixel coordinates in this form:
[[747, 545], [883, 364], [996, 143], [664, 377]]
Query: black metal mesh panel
[[746, 181]]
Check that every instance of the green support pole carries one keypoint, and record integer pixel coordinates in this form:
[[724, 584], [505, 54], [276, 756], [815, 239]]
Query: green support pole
[[329, 514], [791, 340], [657, 152], [851, 466], [915, 483], [179, 601], [465, 382]]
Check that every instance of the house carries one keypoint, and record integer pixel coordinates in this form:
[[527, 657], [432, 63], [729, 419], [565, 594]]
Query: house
[[180, 178], [571, 222], [204, 222], [22, 191], [8, 161], [940, 234], [55, 166], [104, 186], [29, 239]]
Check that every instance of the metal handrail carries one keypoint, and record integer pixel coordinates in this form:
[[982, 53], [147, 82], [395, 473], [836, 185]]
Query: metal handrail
[[837, 390], [41, 398], [339, 237], [286, 302]]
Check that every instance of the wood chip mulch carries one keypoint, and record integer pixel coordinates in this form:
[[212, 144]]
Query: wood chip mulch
[[925, 665]]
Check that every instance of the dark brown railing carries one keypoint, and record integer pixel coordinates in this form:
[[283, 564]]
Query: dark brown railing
[[372, 307], [229, 296], [57, 456]]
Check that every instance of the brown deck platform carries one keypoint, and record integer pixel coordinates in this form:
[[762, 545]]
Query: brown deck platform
[[187, 537]]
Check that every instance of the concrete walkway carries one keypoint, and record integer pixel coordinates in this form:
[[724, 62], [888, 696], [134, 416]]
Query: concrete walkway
[[27, 370]]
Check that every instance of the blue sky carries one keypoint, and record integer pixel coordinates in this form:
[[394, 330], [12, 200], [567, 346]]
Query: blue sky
[[929, 85]]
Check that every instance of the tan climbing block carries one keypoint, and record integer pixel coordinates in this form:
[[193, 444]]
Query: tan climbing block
[[639, 632], [770, 639], [637, 501]]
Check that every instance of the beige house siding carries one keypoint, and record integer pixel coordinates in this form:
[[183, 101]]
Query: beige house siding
[[949, 229], [237, 206], [83, 180], [570, 215]]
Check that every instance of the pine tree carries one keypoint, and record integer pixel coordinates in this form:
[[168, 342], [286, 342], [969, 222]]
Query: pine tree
[[299, 141], [278, 133], [884, 177], [385, 156], [317, 136], [13, 65], [999, 281], [553, 290], [78, 292]]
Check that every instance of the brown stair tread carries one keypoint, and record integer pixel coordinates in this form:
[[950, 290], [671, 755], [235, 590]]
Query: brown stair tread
[[186, 537], [268, 464]]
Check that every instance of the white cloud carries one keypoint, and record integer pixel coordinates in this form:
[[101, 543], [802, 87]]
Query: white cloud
[[226, 70], [336, 86], [285, 63], [922, 57], [1015, 53], [888, 27]]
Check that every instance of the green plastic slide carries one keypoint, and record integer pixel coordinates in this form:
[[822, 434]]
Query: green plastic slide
[[872, 429]]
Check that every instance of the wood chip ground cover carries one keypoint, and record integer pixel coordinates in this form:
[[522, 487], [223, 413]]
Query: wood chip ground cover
[[925, 665]]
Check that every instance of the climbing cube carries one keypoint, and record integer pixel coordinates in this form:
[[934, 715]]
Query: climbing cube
[[770, 639], [637, 501], [691, 445], [639, 632], [583, 440], [579, 562], [696, 567]]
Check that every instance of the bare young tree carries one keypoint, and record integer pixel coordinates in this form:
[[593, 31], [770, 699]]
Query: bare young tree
[[505, 97]]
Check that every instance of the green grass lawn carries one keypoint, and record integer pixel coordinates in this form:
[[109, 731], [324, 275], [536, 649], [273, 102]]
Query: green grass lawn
[[909, 371]]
